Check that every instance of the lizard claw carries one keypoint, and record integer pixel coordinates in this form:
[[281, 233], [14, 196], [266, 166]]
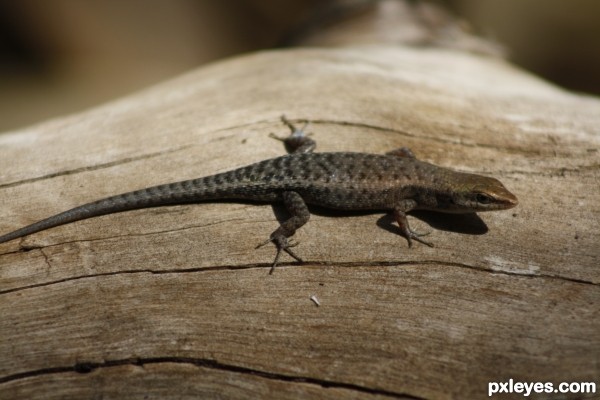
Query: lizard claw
[[408, 233], [274, 136], [258, 246], [282, 244], [292, 243], [297, 133], [417, 236]]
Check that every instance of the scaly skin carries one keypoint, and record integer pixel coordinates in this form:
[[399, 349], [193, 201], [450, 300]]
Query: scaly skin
[[395, 182]]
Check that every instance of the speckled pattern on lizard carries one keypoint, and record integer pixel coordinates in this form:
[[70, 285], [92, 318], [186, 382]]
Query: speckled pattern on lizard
[[396, 182]]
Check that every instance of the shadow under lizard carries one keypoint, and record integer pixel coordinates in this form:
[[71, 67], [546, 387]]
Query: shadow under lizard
[[395, 181]]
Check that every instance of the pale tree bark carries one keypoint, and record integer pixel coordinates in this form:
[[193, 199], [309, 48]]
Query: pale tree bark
[[175, 302]]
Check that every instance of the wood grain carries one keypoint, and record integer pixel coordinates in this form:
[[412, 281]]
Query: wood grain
[[175, 302]]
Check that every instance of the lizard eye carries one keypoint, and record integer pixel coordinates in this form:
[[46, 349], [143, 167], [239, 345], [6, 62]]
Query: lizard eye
[[483, 198]]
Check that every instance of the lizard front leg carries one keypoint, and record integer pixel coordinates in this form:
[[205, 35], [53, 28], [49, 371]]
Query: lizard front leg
[[299, 216], [400, 214]]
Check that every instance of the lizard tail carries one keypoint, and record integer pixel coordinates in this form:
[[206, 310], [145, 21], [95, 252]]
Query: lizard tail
[[195, 190]]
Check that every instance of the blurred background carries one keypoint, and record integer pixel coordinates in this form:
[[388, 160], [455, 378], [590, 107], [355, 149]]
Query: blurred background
[[63, 56]]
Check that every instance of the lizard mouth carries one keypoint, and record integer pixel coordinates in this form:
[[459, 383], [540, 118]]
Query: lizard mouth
[[497, 197], [503, 202], [510, 200]]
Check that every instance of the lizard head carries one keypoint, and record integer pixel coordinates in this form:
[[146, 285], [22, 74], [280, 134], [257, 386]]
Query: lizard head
[[475, 193]]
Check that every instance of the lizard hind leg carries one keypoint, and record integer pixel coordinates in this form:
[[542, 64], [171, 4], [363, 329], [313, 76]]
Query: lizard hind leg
[[298, 141], [299, 216]]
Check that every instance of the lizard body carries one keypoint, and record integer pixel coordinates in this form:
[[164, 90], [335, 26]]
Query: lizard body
[[396, 182]]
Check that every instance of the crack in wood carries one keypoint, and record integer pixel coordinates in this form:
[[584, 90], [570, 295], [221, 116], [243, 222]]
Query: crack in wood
[[438, 139], [93, 167], [305, 264], [121, 161], [24, 248], [87, 367]]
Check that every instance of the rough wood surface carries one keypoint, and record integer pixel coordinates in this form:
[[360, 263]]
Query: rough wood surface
[[175, 302]]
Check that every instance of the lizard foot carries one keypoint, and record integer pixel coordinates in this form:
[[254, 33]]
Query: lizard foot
[[410, 234], [282, 244]]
